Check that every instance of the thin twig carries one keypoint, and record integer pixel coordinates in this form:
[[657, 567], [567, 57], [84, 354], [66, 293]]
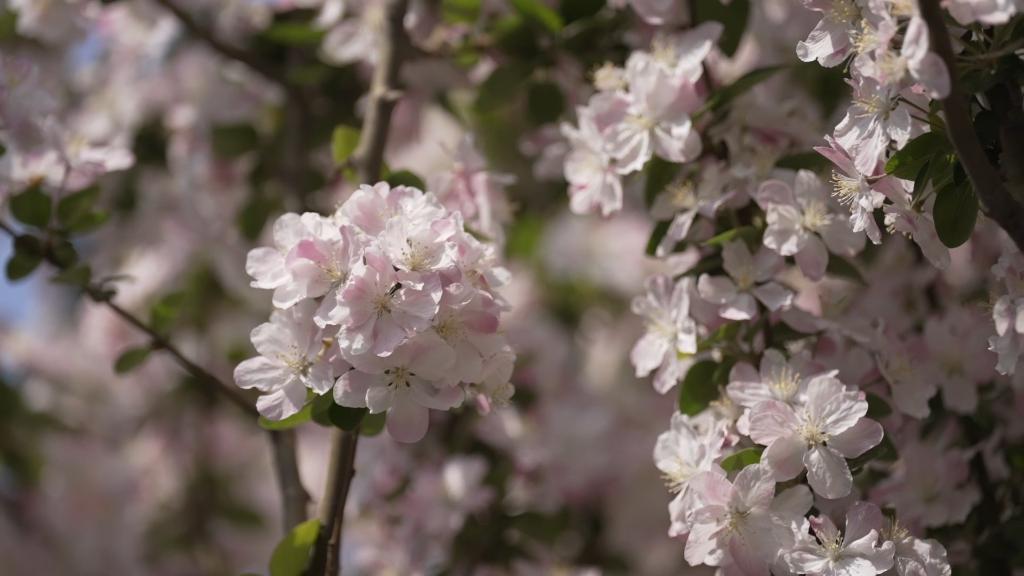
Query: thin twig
[[993, 195], [229, 51], [369, 156]]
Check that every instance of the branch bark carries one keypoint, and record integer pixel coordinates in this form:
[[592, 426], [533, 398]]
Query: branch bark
[[993, 195], [369, 157]]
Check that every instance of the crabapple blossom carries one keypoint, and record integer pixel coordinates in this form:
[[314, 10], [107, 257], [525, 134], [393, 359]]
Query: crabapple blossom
[[803, 223], [854, 552], [776, 379], [832, 40], [680, 454], [750, 281], [912, 556], [671, 337], [817, 435], [742, 524], [295, 356], [590, 169], [393, 286]]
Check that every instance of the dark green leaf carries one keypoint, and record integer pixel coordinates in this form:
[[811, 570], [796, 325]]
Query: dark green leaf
[[21, 265], [843, 268], [803, 160], [300, 417], [698, 388], [955, 212], [660, 229], [465, 11], [742, 459], [344, 141], [877, 407], [73, 207], [165, 311], [79, 275], [234, 140], [292, 554], [727, 94], [745, 233], [906, 162], [659, 174], [537, 11], [31, 206], [131, 359], [327, 412], [373, 424], [544, 102], [733, 18], [293, 34], [63, 253], [405, 178], [501, 86]]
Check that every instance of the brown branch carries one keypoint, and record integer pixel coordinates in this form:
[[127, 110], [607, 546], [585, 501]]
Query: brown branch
[[994, 197], [229, 51], [294, 498], [369, 156]]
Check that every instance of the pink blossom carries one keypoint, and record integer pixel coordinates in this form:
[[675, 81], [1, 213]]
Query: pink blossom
[[857, 552], [750, 278], [379, 307], [742, 524], [293, 358], [671, 337], [407, 384], [819, 435], [803, 223]]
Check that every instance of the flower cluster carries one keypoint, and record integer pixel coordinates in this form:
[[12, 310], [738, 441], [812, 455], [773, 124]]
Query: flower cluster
[[803, 374], [389, 303]]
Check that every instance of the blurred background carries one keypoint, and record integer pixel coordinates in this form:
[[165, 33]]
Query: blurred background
[[144, 471]]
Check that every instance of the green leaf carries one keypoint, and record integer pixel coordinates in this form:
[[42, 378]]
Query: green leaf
[[63, 253], [21, 265], [165, 312], [79, 275], [733, 18], [234, 140], [31, 206], [877, 407], [843, 268], [537, 11], [292, 554], [906, 162], [501, 87], [131, 359], [464, 11], [744, 233], [742, 459], [727, 94], [803, 160], [76, 205], [544, 102], [373, 424], [659, 174], [698, 388], [955, 213], [344, 141], [405, 178], [293, 34], [300, 417], [660, 229], [327, 412]]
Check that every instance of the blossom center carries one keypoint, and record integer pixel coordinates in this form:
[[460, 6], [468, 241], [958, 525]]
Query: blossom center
[[843, 12], [845, 189], [816, 216], [398, 377], [784, 383], [811, 432]]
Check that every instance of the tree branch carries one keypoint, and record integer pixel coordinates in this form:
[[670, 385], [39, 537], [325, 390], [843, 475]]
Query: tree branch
[[369, 156], [293, 494], [995, 199], [216, 44]]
